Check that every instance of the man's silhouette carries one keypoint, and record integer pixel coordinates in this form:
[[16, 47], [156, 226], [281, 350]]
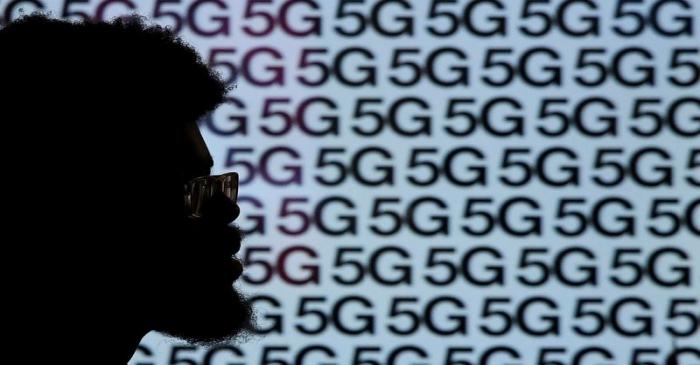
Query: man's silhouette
[[100, 136]]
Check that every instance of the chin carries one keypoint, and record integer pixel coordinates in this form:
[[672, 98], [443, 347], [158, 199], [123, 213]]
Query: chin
[[211, 318]]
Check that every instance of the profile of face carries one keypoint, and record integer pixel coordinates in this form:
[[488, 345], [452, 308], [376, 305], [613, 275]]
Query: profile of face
[[105, 116], [200, 303]]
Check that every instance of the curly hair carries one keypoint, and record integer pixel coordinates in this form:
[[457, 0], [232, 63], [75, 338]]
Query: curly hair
[[123, 65]]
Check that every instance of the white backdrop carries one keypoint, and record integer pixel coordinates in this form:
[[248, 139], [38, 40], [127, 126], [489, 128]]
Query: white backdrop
[[453, 182]]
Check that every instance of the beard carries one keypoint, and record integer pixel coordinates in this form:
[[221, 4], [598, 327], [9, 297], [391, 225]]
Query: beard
[[226, 317], [203, 306]]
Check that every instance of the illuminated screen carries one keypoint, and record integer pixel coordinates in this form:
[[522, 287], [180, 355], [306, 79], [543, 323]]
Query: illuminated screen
[[452, 182]]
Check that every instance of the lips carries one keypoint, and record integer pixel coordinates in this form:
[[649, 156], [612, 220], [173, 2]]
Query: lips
[[236, 268]]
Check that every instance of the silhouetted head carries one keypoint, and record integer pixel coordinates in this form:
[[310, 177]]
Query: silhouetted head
[[99, 121]]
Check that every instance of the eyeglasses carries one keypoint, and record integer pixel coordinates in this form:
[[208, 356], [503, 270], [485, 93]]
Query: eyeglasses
[[199, 189]]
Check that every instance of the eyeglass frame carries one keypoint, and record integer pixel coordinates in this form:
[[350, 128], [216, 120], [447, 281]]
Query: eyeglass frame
[[201, 188]]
